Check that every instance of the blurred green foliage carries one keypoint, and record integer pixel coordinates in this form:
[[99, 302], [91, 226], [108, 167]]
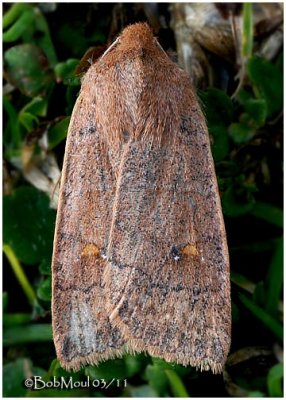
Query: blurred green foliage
[[246, 132]]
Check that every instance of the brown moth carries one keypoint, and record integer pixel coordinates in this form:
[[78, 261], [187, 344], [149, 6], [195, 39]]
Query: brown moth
[[140, 257]]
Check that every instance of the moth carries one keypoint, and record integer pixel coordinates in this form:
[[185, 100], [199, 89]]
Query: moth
[[140, 260]]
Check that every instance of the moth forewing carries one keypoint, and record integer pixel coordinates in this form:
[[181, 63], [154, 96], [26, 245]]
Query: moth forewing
[[140, 259]]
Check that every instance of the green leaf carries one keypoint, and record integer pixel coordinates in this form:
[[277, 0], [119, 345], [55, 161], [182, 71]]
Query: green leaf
[[57, 371], [29, 334], [244, 96], [108, 370], [220, 143], [237, 201], [140, 391], [163, 374], [257, 110], [254, 116], [157, 379], [29, 121], [217, 106], [256, 393], [30, 25], [37, 106], [242, 281], [179, 369], [44, 291], [241, 132], [43, 37], [25, 20], [134, 364], [16, 319], [29, 224], [12, 133], [58, 132], [263, 316], [65, 71], [267, 80], [177, 386], [268, 213], [54, 367], [4, 300], [45, 266], [14, 375], [275, 381], [13, 13], [27, 68]]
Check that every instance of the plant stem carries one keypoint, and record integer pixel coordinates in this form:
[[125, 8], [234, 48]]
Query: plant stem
[[247, 42], [20, 274]]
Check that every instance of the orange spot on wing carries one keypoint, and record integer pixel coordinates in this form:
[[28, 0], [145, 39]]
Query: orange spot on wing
[[190, 250], [90, 250]]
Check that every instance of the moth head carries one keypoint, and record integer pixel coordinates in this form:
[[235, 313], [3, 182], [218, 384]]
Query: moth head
[[137, 36]]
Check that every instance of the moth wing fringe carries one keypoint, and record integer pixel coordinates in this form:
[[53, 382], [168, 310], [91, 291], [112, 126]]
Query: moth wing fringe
[[138, 346], [94, 358]]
